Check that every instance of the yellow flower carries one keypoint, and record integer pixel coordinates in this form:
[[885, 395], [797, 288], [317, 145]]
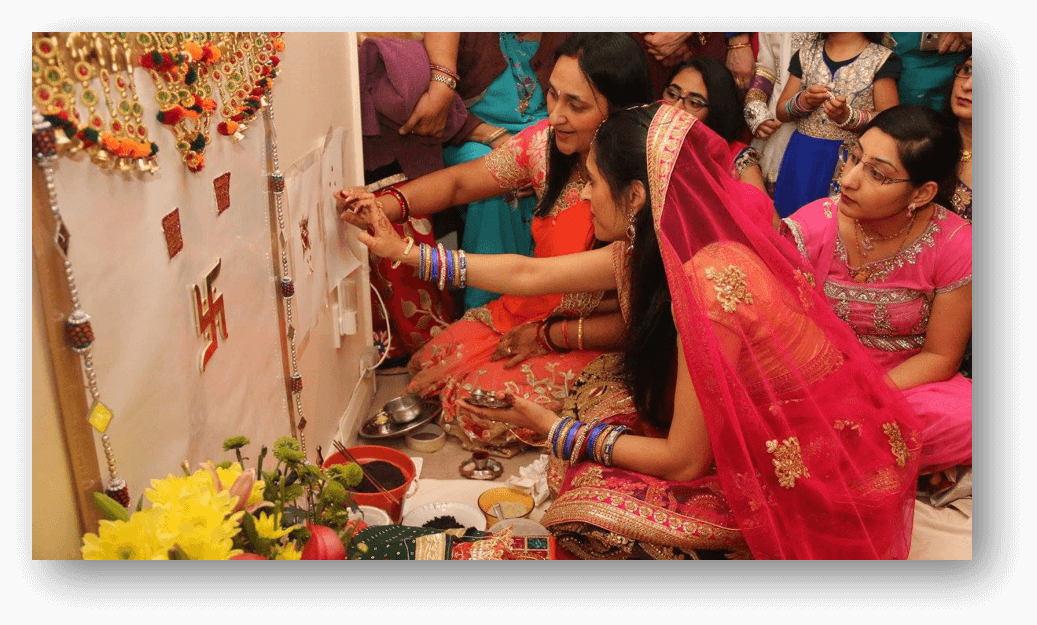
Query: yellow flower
[[136, 539], [269, 526], [288, 552], [172, 489]]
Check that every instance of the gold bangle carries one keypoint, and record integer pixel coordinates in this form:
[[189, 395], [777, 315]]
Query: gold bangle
[[410, 244], [494, 136], [579, 334], [581, 438], [738, 45]]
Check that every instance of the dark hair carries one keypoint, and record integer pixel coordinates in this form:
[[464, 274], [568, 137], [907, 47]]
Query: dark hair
[[651, 337], [617, 67], [725, 107], [927, 143], [878, 38]]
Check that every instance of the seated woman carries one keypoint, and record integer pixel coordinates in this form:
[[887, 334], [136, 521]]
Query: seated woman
[[961, 197], [594, 74], [502, 78], [897, 267], [705, 88], [757, 424]]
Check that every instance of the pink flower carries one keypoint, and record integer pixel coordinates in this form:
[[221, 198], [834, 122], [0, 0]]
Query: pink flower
[[324, 544]]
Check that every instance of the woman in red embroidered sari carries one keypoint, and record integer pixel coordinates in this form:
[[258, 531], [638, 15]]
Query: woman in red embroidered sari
[[494, 346], [757, 425]]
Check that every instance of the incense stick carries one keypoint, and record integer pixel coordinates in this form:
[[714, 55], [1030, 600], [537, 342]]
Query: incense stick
[[345, 452]]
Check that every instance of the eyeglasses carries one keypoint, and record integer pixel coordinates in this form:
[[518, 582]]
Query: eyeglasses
[[852, 156], [672, 95], [963, 71]]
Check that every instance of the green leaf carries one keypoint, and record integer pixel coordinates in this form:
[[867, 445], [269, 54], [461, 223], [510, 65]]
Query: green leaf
[[140, 503], [259, 544], [111, 509]]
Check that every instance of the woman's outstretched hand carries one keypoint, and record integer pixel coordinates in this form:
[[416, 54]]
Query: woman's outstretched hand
[[523, 413], [376, 231], [353, 198]]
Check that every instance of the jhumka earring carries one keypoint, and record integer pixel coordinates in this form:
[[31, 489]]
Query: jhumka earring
[[631, 233], [910, 210]]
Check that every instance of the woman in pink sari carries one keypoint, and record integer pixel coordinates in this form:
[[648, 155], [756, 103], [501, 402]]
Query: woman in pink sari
[[897, 268], [495, 346], [758, 427]]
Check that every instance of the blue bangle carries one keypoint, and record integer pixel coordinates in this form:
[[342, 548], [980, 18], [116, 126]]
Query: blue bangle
[[558, 432], [593, 437], [435, 265], [449, 268], [569, 438]]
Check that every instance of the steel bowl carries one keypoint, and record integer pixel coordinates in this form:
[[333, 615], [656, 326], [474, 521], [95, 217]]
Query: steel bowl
[[403, 409]]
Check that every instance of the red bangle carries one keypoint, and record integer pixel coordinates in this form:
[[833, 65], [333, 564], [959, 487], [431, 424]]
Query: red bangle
[[565, 334], [547, 337], [449, 72], [400, 198]]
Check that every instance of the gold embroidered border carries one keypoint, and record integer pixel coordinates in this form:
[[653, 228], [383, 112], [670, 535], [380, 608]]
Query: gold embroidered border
[[892, 343], [480, 314], [797, 235], [665, 138], [955, 285], [788, 461], [896, 442], [870, 294], [634, 519]]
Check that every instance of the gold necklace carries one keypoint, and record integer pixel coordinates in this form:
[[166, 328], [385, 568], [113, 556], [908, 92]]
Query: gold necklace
[[862, 273], [869, 239]]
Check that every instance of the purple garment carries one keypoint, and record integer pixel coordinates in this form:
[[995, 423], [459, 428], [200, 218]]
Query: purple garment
[[394, 74]]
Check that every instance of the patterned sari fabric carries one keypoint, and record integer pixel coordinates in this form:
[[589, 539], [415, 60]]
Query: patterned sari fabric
[[887, 304], [815, 457], [457, 360], [418, 310]]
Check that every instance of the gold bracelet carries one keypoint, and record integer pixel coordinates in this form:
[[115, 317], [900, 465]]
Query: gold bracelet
[[738, 45], [581, 437], [494, 136], [410, 244], [446, 80], [579, 334]]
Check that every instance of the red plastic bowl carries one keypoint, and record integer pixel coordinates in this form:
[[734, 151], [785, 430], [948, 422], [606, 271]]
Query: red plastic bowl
[[367, 453]]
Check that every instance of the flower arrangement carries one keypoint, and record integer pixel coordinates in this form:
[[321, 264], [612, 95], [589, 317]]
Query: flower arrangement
[[225, 511]]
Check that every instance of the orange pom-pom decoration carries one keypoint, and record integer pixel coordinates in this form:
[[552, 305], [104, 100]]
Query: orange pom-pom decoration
[[278, 45], [227, 128], [194, 50], [275, 60], [109, 142], [208, 104], [210, 53]]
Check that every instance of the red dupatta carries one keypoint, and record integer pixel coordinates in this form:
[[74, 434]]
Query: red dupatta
[[817, 456]]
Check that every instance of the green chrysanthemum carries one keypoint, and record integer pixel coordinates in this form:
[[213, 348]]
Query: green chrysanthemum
[[235, 442]]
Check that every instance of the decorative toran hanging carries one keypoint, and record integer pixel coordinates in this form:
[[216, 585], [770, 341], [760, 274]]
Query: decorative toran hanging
[[189, 70]]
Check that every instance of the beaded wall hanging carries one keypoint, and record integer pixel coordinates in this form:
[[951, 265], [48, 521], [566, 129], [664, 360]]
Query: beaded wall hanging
[[190, 72]]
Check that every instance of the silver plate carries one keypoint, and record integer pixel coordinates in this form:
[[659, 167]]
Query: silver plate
[[492, 471], [430, 409]]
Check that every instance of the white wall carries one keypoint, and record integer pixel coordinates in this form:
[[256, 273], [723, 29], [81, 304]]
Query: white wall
[[147, 350]]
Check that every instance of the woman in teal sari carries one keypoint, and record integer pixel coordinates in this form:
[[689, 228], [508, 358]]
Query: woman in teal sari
[[513, 101]]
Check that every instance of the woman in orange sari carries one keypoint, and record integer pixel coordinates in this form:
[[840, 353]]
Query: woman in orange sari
[[742, 418], [496, 346]]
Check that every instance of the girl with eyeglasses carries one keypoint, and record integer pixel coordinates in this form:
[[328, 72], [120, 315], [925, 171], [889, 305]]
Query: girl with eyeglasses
[[837, 84], [897, 267], [704, 87], [961, 106]]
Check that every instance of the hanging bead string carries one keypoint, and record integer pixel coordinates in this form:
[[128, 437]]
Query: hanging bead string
[[287, 284], [77, 326]]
